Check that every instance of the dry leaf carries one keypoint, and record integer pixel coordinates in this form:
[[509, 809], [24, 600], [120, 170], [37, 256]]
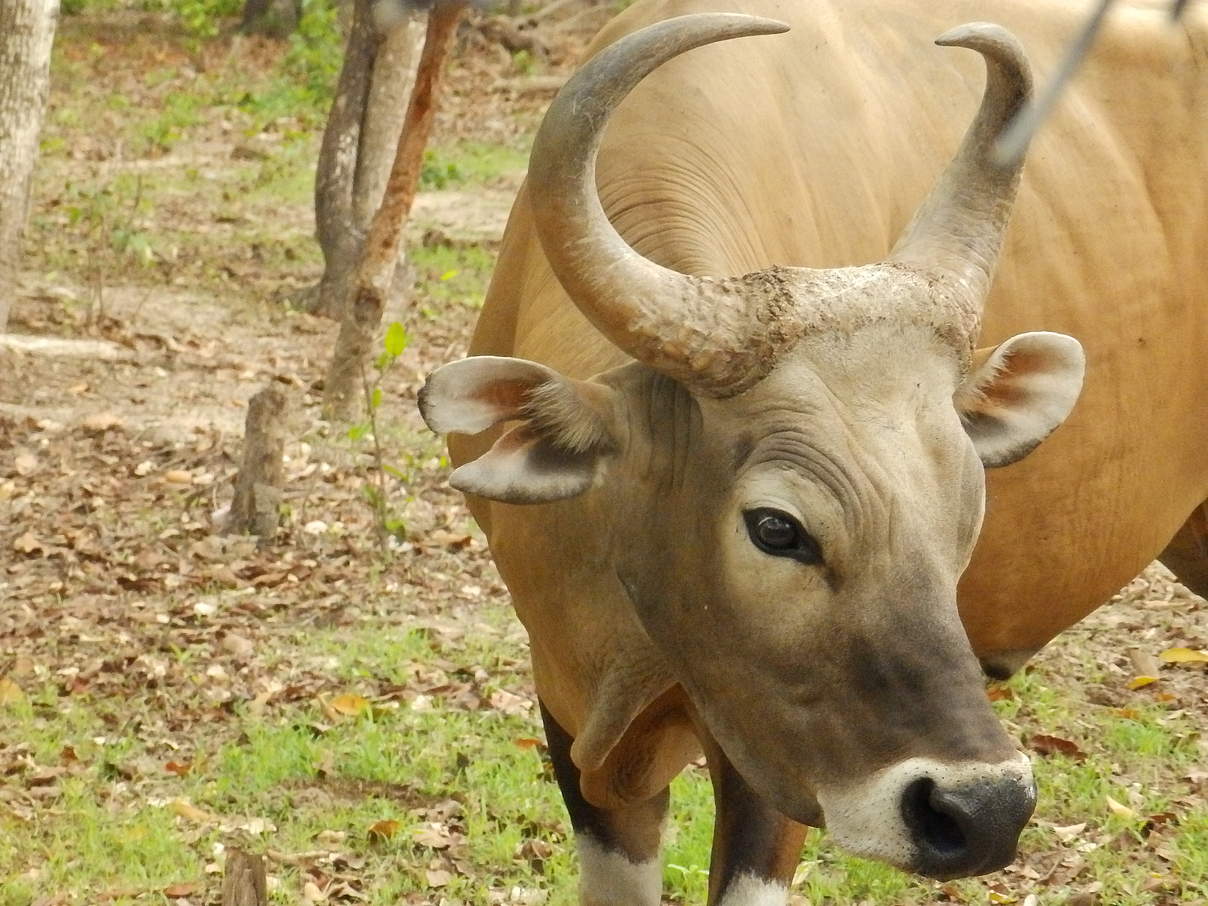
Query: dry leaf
[[179, 769], [349, 704], [100, 421], [178, 476], [1140, 682], [1184, 656], [186, 809], [26, 463], [1055, 745], [238, 645], [383, 830], [998, 693], [1119, 808], [1143, 663], [27, 543], [528, 742], [10, 692], [181, 890], [1067, 833], [437, 877]]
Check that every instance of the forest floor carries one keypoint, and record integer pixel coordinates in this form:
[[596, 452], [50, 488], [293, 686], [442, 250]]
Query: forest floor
[[355, 703]]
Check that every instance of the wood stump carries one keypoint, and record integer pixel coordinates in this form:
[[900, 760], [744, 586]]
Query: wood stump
[[243, 880], [256, 508]]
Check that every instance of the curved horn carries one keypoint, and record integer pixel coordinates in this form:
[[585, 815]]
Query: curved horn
[[713, 334], [959, 229]]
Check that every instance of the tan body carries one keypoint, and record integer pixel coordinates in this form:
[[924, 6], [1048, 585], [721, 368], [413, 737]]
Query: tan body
[[1108, 243], [813, 148]]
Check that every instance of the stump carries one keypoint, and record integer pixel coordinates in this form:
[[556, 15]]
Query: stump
[[256, 508], [243, 880]]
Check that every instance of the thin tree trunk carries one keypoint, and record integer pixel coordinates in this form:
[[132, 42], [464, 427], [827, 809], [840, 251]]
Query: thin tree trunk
[[358, 146], [375, 270], [27, 30]]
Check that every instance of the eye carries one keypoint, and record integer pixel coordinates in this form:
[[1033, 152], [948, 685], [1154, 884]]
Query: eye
[[779, 534]]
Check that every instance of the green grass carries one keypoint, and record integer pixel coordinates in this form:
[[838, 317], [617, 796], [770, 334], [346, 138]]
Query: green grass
[[471, 163], [453, 273], [112, 825]]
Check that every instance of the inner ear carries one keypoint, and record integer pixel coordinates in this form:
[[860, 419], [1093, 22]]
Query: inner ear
[[556, 451], [1018, 393]]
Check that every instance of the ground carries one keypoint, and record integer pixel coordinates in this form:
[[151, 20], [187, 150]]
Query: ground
[[353, 699]]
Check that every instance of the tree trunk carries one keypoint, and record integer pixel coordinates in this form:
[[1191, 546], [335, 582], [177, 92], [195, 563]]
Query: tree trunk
[[375, 270], [358, 147], [274, 18], [27, 30]]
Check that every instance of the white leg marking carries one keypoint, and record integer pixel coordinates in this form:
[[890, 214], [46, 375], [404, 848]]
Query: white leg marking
[[748, 890], [609, 879]]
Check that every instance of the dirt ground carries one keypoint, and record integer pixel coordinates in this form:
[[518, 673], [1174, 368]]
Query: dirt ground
[[116, 465]]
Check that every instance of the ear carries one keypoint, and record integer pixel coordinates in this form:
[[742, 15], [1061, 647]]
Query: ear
[[554, 453], [1018, 393]]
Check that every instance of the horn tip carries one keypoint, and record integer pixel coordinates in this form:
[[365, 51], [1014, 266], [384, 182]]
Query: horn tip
[[978, 35]]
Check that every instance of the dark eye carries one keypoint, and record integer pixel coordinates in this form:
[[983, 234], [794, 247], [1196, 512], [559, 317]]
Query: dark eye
[[780, 535]]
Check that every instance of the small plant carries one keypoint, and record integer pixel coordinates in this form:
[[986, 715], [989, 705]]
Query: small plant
[[437, 173], [390, 523]]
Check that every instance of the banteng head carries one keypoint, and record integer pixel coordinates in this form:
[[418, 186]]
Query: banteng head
[[792, 474]]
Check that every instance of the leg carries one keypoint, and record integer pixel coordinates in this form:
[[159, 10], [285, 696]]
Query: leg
[[755, 848], [1187, 555], [618, 848]]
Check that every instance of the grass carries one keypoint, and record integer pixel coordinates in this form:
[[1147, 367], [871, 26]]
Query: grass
[[313, 775], [471, 163]]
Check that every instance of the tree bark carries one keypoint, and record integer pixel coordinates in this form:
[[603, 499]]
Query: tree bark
[[27, 30], [375, 269], [274, 18], [256, 508], [358, 144], [244, 882]]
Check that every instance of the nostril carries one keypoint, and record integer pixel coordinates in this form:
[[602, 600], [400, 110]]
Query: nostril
[[931, 822]]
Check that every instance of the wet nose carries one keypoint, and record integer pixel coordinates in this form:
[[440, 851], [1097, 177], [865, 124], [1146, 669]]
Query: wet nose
[[966, 829]]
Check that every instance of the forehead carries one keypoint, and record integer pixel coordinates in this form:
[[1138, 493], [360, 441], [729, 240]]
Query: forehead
[[883, 378]]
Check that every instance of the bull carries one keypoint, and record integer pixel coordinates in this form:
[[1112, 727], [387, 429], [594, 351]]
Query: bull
[[733, 474]]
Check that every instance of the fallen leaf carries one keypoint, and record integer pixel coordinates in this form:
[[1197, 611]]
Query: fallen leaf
[[27, 543], [99, 422], [179, 769], [1140, 682], [438, 877], [383, 830], [349, 704], [178, 476], [1119, 808], [528, 742], [10, 692], [1069, 832], [181, 890], [186, 809], [238, 645], [26, 463], [1143, 663], [1184, 656], [1055, 745], [1000, 693]]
